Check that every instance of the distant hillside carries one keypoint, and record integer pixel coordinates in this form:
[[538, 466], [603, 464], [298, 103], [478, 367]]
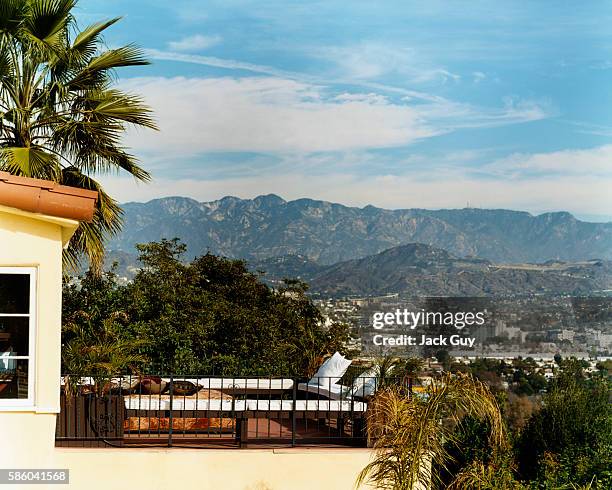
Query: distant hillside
[[422, 270], [276, 269], [327, 233]]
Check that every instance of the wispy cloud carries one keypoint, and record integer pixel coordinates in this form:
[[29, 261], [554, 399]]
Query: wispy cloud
[[272, 114], [196, 42], [213, 61], [591, 161], [231, 64], [478, 76], [373, 60], [268, 114], [590, 128]]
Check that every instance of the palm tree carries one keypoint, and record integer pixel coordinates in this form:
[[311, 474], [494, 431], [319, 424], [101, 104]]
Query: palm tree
[[61, 118], [96, 348], [409, 432]]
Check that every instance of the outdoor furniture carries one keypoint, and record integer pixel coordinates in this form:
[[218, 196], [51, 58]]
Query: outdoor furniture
[[149, 404], [332, 391], [325, 380], [229, 386], [332, 369], [146, 414], [246, 386]]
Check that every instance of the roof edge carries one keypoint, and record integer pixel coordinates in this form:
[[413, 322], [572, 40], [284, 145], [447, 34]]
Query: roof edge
[[47, 197]]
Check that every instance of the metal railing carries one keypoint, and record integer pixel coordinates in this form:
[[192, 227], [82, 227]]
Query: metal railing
[[196, 411]]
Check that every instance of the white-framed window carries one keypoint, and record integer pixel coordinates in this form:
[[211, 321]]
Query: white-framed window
[[17, 336]]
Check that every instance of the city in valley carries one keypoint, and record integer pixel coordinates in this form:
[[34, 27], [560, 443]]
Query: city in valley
[[538, 326]]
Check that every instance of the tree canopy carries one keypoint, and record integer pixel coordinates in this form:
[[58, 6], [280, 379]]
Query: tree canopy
[[209, 316]]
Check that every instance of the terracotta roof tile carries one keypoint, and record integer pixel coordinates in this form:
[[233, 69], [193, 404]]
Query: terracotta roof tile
[[46, 197]]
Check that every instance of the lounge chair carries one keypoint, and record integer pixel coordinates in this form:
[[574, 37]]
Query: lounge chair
[[325, 380], [363, 387]]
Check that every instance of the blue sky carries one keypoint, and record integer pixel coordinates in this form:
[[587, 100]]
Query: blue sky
[[393, 103]]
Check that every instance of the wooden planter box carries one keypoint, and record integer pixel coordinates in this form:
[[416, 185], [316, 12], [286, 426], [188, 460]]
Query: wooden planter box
[[90, 421]]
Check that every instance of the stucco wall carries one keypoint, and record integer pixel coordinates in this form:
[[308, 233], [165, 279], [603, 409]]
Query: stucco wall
[[28, 435], [203, 469], [26, 241]]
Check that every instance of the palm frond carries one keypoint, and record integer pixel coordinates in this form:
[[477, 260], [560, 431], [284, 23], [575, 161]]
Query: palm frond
[[410, 432], [85, 44], [113, 105], [46, 22], [30, 162], [90, 237], [93, 146], [96, 73], [7, 69], [11, 15]]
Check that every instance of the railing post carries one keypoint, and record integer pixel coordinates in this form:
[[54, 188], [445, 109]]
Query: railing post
[[293, 421], [170, 417]]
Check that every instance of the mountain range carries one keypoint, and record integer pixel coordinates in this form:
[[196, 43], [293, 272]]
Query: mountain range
[[342, 250], [328, 233]]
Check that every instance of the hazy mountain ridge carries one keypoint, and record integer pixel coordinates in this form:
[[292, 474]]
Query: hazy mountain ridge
[[421, 270], [327, 233]]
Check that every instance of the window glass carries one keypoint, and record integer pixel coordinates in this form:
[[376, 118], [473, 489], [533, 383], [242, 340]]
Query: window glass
[[14, 335], [14, 293], [13, 378]]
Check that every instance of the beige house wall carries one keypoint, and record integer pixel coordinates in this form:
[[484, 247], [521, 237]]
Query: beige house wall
[[26, 240], [203, 469], [31, 241]]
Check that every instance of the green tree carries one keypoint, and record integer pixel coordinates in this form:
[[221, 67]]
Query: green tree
[[93, 325], [569, 440], [61, 118], [444, 358], [212, 316], [413, 367], [98, 349]]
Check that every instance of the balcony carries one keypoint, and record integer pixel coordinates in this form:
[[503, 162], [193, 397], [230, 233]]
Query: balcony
[[214, 412]]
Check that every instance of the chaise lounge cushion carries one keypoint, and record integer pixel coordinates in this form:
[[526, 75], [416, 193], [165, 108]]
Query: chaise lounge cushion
[[331, 391], [366, 384], [238, 385], [331, 370], [162, 403]]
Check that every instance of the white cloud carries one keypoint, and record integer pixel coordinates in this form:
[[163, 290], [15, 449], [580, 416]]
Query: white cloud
[[267, 115], [194, 43], [478, 76], [213, 61], [370, 60], [275, 114], [580, 182], [591, 161], [231, 64]]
